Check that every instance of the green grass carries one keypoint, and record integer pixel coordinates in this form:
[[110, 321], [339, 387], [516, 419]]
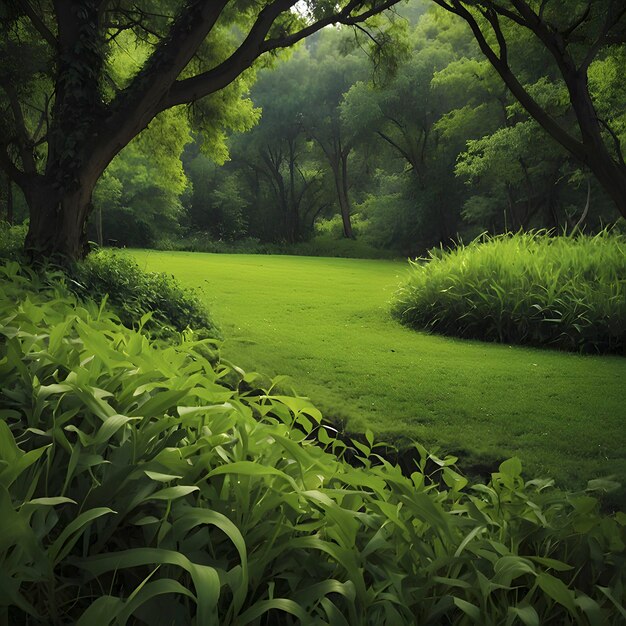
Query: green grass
[[526, 288], [141, 482], [325, 323]]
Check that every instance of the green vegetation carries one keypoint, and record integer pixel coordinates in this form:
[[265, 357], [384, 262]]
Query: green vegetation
[[145, 478], [153, 299], [430, 123], [142, 484], [325, 323], [563, 292]]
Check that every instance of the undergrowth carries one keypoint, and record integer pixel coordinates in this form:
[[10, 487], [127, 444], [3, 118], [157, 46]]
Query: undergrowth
[[154, 300], [133, 293], [143, 484], [528, 288], [320, 245]]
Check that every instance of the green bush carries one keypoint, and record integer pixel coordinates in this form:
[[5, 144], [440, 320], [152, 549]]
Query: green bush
[[12, 240], [323, 244], [143, 484], [528, 288], [133, 293]]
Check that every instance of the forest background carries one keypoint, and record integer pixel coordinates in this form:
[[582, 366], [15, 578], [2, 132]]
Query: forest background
[[384, 142]]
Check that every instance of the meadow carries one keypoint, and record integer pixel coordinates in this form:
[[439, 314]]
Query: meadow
[[325, 324]]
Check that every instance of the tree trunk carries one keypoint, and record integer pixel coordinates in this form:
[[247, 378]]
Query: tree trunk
[[58, 221], [10, 202], [340, 174]]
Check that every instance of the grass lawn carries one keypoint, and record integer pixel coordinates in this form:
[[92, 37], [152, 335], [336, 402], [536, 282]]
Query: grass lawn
[[325, 323]]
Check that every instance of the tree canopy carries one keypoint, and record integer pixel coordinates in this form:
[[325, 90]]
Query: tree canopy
[[70, 104], [442, 120]]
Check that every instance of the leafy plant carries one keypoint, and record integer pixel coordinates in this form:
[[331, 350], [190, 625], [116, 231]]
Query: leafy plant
[[144, 484], [12, 240], [561, 292], [133, 293]]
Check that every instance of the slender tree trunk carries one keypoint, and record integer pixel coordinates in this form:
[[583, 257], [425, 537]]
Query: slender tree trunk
[[340, 174], [293, 203], [9, 202]]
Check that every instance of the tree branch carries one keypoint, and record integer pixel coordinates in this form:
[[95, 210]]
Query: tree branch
[[397, 146], [255, 44], [24, 140], [15, 174], [578, 22], [616, 141], [37, 22], [610, 21], [549, 124]]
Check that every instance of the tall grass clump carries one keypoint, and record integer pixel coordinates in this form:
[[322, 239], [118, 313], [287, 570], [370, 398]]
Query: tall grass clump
[[529, 288], [144, 484]]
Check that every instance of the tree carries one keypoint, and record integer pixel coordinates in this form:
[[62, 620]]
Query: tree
[[330, 76], [575, 34], [65, 117]]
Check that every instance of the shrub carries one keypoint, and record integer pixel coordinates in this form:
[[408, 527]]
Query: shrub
[[561, 292], [133, 293], [321, 245], [12, 240], [143, 484]]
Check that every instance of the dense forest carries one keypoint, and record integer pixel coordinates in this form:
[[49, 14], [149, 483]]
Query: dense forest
[[402, 135]]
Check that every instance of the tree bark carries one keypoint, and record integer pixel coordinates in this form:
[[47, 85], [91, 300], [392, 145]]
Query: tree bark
[[340, 174], [58, 220], [10, 202]]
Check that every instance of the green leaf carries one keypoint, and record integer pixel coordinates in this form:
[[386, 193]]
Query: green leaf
[[471, 610], [102, 611], [161, 478], [195, 516], [609, 594], [248, 468], [147, 592], [70, 534], [558, 566], [161, 402], [280, 604], [558, 591], [172, 493], [205, 578], [527, 615], [511, 467], [50, 501], [508, 568]]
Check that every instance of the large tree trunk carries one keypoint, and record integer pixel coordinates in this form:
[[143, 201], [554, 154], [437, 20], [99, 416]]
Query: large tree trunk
[[58, 221]]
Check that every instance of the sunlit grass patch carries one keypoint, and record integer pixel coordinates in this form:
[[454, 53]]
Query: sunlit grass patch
[[325, 323]]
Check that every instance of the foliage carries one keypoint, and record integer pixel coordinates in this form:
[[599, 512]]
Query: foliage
[[322, 244], [153, 300], [562, 292], [143, 483], [327, 325], [139, 195], [12, 240]]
